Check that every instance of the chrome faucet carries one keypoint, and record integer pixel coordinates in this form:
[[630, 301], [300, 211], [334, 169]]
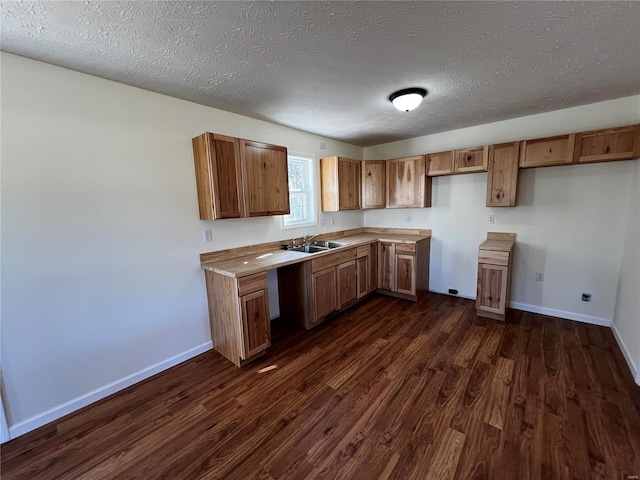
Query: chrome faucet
[[306, 238]]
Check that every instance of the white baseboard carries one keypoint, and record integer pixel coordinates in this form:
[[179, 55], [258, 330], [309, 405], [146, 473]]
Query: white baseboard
[[102, 392], [632, 365], [603, 322], [578, 317]]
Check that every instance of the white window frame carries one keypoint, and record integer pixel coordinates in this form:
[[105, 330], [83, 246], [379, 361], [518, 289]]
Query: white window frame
[[312, 217]]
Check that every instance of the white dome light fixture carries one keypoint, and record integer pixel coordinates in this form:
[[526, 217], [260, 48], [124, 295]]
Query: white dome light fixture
[[407, 99]]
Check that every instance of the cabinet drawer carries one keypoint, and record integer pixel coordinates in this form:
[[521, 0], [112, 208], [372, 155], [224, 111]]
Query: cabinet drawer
[[362, 251], [493, 258], [333, 259], [407, 248], [252, 283]]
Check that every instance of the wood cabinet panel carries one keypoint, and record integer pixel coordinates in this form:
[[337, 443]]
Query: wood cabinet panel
[[265, 179], [387, 266], [255, 320], [373, 266], [347, 283], [340, 184], [607, 145], [374, 188], [492, 288], [546, 152], [440, 163], [502, 175], [330, 260], [325, 293], [218, 176], [471, 160], [251, 283], [409, 248], [407, 185], [495, 261], [406, 274], [363, 275]]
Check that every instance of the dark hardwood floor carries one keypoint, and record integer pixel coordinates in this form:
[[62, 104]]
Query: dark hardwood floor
[[388, 390]]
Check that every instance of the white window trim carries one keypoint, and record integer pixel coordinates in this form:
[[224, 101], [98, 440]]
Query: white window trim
[[312, 187]]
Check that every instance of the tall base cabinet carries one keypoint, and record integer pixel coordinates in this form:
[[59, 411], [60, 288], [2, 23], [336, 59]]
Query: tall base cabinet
[[495, 262]]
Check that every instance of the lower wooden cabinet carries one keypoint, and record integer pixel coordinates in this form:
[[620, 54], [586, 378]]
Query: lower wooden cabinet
[[255, 322], [406, 273], [325, 293], [403, 268], [363, 275], [239, 315], [495, 259], [347, 283]]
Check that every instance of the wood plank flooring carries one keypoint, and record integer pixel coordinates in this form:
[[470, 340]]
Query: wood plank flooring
[[388, 390]]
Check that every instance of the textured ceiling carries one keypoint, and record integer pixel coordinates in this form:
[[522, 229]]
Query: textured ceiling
[[328, 67]]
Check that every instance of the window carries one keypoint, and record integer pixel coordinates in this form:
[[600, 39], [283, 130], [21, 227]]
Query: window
[[301, 198]]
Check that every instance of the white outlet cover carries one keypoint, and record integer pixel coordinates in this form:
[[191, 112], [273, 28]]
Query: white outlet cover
[[492, 219], [207, 236]]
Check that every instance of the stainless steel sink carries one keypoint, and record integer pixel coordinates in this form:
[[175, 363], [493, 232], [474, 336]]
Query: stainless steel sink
[[309, 249], [329, 244]]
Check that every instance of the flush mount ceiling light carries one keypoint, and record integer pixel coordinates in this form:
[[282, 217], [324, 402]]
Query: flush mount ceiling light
[[407, 99]]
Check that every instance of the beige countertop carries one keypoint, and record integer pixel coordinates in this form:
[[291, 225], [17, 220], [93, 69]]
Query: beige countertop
[[240, 266]]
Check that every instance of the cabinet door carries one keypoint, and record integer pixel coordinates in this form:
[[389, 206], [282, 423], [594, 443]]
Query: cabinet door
[[502, 176], [265, 178], [347, 283], [407, 185], [440, 163], [373, 184], [325, 293], [349, 184], [470, 160], [364, 273], [546, 152], [387, 266], [406, 274], [492, 288], [218, 176], [373, 266], [255, 322], [607, 145]]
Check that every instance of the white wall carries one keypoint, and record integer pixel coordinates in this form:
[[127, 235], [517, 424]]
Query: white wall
[[626, 322], [101, 282], [568, 220]]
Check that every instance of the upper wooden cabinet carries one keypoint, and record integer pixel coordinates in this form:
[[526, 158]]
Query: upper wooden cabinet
[[464, 160], [340, 184], [407, 184], [608, 145], [218, 176], [471, 160], [239, 178], [440, 163], [502, 176], [546, 152], [373, 184], [265, 178]]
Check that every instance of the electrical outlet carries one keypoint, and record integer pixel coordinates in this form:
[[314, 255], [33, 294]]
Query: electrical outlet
[[409, 218], [333, 221], [323, 146], [539, 277], [586, 297], [323, 222], [492, 219], [207, 236]]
